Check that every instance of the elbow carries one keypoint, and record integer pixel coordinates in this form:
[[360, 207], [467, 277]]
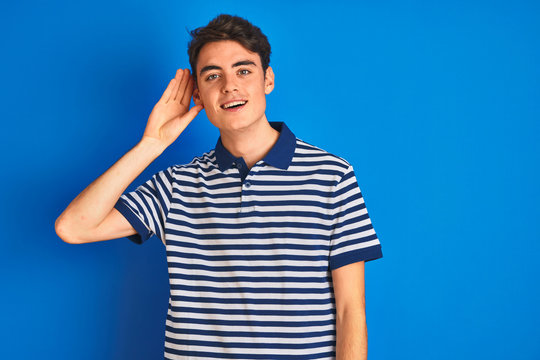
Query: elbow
[[63, 232]]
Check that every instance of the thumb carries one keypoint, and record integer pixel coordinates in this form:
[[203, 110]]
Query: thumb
[[190, 115], [180, 123]]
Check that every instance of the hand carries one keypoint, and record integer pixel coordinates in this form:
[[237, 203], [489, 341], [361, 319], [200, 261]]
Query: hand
[[170, 116]]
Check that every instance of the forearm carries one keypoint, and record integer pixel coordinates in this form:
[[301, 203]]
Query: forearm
[[351, 342], [95, 202]]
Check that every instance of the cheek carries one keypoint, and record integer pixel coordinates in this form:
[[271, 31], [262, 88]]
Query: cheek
[[207, 98], [210, 104]]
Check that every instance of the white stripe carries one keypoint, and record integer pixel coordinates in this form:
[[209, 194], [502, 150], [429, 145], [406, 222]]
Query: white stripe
[[238, 295], [255, 230], [249, 220], [248, 284], [353, 247], [257, 274], [249, 263], [249, 307]]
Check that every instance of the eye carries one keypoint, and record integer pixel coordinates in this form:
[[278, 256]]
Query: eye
[[244, 72], [212, 77]]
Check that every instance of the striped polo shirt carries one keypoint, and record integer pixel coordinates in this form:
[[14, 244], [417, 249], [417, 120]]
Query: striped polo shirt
[[250, 251]]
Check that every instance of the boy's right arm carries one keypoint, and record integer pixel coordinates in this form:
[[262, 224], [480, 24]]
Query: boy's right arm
[[91, 215]]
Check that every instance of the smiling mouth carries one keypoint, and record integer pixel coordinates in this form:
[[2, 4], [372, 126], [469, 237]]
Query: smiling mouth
[[234, 105]]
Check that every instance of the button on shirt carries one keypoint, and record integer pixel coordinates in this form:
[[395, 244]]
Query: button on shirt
[[250, 251]]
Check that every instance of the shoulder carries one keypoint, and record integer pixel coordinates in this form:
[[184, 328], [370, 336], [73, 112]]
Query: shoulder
[[310, 154], [204, 162], [187, 173]]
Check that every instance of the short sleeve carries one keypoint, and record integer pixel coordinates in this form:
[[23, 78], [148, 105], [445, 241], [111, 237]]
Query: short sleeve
[[146, 208], [353, 238]]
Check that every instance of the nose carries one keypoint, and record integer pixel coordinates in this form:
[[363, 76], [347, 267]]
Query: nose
[[229, 84]]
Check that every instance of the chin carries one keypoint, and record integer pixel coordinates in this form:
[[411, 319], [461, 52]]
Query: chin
[[231, 123]]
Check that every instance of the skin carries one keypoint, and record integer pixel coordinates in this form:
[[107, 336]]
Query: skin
[[245, 132], [91, 215], [351, 327], [227, 71]]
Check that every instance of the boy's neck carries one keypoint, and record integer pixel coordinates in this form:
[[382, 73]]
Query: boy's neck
[[253, 143]]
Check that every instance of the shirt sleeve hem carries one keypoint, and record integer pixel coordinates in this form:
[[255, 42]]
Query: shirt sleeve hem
[[143, 233], [366, 254]]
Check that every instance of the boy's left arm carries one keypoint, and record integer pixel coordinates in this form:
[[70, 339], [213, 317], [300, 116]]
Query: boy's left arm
[[349, 292]]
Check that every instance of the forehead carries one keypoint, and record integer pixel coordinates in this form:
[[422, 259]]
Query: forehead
[[224, 54]]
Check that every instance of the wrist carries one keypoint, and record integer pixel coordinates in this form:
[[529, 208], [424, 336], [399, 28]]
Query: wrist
[[151, 145]]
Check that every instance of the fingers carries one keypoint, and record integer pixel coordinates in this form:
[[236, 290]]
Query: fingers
[[168, 91], [179, 77], [183, 77], [190, 115], [186, 98], [180, 88]]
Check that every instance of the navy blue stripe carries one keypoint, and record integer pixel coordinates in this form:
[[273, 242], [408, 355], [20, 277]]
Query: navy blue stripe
[[348, 175], [353, 232], [129, 213], [256, 279], [230, 257], [353, 187], [165, 188], [365, 254], [277, 268], [290, 203], [223, 355], [353, 209], [249, 345], [354, 241], [350, 210], [205, 195], [140, 208], [294, 192], [156, 224], [253, 246], [250, 334], [250, 290], [312, 181], [260, 193], [235, 205], [354, 220], [325, 162]]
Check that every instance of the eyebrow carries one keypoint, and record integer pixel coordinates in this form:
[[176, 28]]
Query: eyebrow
[[236, 64]]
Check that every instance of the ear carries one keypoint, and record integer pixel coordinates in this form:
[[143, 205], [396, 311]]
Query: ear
[[269, 81], [197, 96]]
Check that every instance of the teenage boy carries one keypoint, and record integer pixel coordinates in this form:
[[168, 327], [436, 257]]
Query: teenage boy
[[266, 235]]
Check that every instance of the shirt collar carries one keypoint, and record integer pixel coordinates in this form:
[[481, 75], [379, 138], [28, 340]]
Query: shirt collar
[[280, 156]]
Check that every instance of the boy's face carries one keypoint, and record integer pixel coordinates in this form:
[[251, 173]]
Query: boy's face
[[231, 85]]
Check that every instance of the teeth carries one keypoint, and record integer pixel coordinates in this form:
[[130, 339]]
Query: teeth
[[234, 103]]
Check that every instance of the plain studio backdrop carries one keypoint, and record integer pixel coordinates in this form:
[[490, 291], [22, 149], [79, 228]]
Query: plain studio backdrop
[[436, 105]]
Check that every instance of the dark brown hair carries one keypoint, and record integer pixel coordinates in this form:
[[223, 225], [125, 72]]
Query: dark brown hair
[[227, 27]]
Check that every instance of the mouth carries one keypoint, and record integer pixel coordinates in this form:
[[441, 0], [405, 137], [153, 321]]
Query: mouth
[[234, 105]]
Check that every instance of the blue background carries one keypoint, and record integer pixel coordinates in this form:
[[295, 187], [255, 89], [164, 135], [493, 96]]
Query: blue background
[[436, 105]]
